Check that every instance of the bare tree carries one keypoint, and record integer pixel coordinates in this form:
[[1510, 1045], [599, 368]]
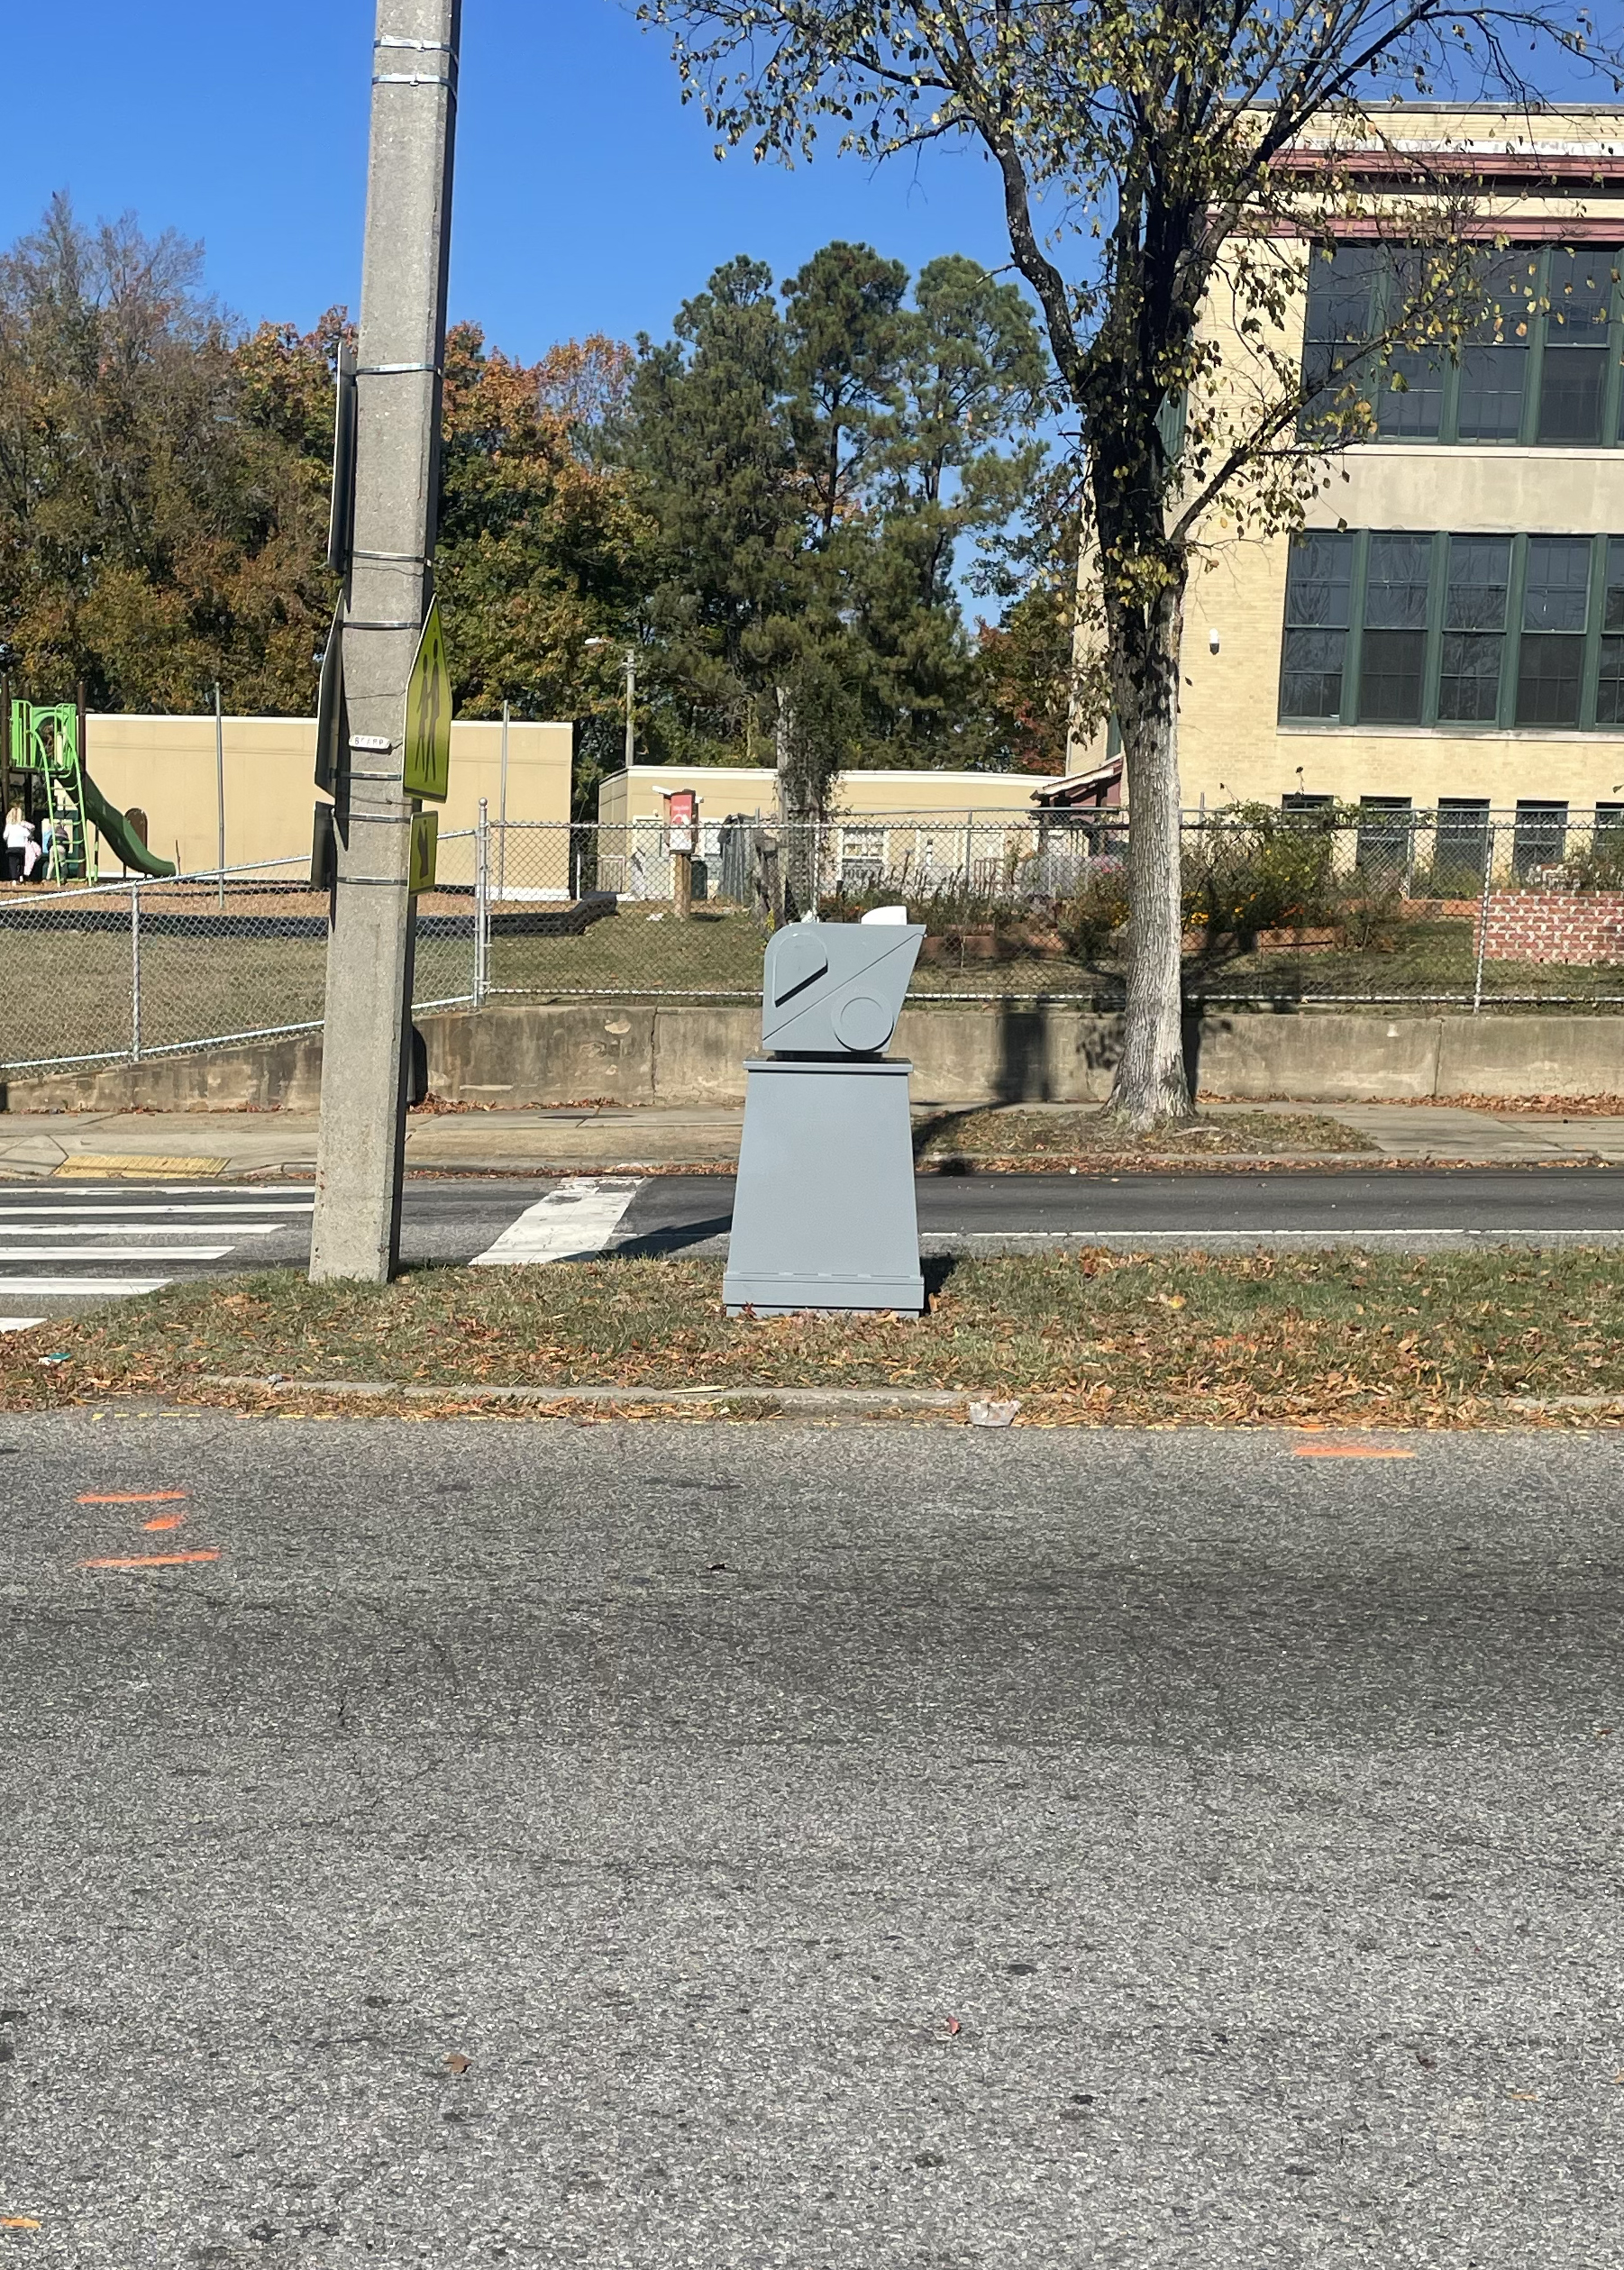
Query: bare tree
[[1155, 157]]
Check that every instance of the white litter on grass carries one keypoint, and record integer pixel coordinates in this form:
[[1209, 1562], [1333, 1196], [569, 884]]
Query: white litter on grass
[[19, 1324], [573, 1222], [993, 1414]]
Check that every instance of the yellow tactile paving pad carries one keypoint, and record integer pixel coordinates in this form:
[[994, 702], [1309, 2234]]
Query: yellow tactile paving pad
[[95, 1167]]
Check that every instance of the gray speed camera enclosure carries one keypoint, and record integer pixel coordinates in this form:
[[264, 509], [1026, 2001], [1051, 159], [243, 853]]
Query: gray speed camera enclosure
[[824, 1213], [836, 989]]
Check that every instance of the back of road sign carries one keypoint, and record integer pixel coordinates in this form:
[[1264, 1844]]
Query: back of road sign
[[425, 851], [428, 716]]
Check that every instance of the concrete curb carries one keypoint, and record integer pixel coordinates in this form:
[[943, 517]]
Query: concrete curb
[[1566, 1402], [790, 1399]]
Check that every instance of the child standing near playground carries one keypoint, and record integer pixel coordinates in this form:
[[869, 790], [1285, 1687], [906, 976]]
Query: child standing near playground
[[21, 850]]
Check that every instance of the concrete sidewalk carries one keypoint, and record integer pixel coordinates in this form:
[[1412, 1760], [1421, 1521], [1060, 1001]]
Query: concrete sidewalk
[[227, 1144]]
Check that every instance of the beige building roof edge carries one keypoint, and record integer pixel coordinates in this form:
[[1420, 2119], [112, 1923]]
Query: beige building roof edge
[[291, 718], [754, 773]]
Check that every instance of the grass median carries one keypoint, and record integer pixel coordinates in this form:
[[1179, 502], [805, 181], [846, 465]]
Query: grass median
[[1080, 1337], [1008, 1138]]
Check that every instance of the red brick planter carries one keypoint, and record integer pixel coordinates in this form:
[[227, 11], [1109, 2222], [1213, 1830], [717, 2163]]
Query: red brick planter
[[1581, 926]]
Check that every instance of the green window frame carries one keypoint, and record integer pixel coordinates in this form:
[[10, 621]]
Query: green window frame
[[1544, 368], [1466, 631]]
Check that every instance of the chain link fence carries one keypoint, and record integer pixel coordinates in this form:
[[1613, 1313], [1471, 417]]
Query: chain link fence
[[127, 971], [1459, 906]]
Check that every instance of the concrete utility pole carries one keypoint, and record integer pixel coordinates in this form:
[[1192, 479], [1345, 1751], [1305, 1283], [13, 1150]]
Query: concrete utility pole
[[365, 1052]]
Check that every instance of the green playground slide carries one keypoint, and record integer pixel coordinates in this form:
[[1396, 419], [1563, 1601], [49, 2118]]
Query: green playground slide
[[117, 834]]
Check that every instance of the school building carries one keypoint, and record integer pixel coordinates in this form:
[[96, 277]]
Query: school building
[[1446, 635]]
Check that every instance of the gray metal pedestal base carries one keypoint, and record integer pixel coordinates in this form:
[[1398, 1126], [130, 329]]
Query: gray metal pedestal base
[[824, 1217]]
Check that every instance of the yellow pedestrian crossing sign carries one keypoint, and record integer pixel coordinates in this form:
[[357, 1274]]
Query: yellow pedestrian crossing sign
[[428, 716]]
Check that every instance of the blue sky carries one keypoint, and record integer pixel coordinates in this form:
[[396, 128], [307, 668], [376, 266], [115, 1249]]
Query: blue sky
[[587, 199]]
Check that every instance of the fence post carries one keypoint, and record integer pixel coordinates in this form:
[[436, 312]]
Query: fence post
[[135, 973], [482, 903], [1482, 915], [219, 790], [502, 814]]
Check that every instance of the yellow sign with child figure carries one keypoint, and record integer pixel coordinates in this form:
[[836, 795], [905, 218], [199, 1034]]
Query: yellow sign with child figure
[[428, 716]]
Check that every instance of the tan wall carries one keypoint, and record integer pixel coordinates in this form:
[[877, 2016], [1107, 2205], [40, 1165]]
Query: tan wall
[[724, 788], [165, 766], [612, 800]]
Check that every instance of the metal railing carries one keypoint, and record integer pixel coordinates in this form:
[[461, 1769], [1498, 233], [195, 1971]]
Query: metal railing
[[125, 972], [1459, 907]]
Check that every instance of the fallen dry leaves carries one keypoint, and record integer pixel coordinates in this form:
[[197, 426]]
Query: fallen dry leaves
[[1089, 1337]]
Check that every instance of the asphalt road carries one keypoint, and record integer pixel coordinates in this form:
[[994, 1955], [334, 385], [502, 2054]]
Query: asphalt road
[[1419, 1210], [63, 1244], [838, 1849]]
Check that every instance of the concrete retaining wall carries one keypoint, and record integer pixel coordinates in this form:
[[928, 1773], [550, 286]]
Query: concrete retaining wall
[[1001, 1053]]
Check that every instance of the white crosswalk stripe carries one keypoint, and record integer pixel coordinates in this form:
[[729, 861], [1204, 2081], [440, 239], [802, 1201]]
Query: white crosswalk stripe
[[573, 1223], [65, 1241]]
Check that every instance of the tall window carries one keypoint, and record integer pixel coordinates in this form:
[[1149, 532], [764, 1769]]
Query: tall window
[[1556, 602], [1610, 682], [1409, 388], [1319, 584], [1541, 363], [1475, 626], [1579, 297], [1338, 322], [1494, 360], [1393, 661]]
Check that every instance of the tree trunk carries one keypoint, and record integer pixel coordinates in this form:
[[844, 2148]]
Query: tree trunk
[[1150, 1088]]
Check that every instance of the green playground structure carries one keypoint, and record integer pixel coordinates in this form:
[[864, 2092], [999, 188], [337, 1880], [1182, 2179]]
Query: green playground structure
[[45, 745]]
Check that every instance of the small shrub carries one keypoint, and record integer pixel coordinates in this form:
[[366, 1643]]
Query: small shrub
[[1600, 866], [1090, 921], [1256, 867]]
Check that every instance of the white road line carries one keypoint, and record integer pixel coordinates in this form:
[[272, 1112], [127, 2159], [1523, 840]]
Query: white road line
[[1522, 1235], [111, 1253], [56, 1287], [571, 1223], [113, 1211], [19, 1324], [117, 1228], [101, 1185]]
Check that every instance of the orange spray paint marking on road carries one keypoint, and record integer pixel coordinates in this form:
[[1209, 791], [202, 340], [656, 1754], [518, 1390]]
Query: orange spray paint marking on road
[[136, 1498], [1349, 1450], [166, 1521], [149, 1561], [19, 2223]]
